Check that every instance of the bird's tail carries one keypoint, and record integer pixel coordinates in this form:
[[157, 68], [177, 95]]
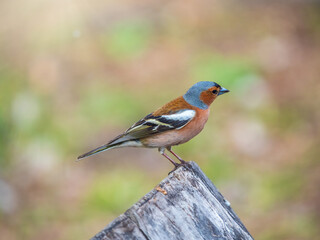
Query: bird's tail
[[97, 150]]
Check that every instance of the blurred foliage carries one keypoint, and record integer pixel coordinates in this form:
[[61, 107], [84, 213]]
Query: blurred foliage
[[229, 69], [75, 74], [278, 188], [113, 193], [220, 168], [116, 102], [126, 39]]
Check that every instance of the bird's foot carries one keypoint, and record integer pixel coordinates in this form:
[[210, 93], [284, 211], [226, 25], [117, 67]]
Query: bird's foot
[[175, 168], [176, 155], [177, 165], [183, 162]]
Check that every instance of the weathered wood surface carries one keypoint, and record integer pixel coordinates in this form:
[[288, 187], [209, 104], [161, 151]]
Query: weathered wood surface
[[185, 205]]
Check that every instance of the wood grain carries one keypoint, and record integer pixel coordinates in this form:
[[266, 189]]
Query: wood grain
[[185, 205]]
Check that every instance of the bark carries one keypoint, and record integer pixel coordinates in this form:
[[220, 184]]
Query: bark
[[185, 205]]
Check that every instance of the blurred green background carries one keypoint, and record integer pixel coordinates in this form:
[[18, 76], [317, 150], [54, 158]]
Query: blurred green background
[[74, 74]]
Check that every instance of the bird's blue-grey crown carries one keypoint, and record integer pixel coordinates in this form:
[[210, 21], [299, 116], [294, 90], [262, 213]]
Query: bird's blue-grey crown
[[192, 96]]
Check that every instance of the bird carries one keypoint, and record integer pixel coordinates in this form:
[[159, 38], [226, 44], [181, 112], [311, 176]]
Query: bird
[[174, 123]]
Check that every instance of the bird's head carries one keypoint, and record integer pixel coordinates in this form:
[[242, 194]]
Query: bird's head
[[202, 94]]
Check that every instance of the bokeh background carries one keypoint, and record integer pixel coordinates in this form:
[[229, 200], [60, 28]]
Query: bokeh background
[[74, 74]]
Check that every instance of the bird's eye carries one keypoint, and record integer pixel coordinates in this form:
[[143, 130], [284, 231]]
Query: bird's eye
[[214, 91]]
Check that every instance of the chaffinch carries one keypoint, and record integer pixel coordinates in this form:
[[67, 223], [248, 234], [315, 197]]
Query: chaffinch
[[175, 123]]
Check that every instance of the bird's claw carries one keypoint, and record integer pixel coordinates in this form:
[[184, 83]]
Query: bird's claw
[[183, 162], [177, 165], [175, 168]]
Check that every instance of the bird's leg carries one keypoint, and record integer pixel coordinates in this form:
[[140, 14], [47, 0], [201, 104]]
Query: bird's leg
[[161, 150], [179, 158], [176, 165]]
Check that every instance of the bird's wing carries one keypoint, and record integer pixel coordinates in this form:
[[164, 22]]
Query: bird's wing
[[151, 125]]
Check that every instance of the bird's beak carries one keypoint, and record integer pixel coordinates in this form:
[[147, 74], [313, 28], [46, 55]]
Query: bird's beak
[[223, 91]]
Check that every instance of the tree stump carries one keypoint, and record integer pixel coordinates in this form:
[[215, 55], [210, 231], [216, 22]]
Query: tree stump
[[185, 205]]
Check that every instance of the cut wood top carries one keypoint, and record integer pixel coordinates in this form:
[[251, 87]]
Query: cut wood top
[[185, 205]]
